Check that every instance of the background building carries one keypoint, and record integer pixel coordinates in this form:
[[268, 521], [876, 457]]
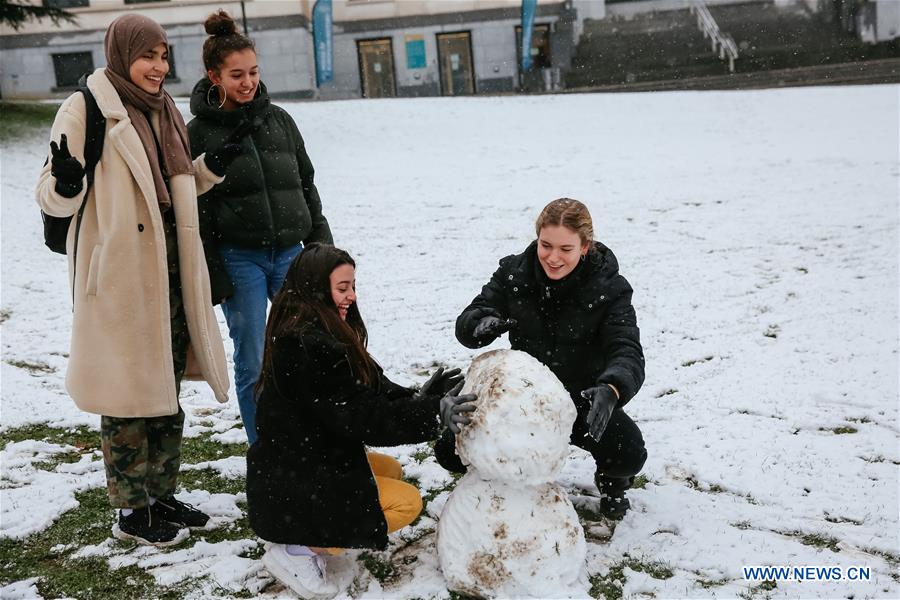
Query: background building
[[42, 60], [404, 48]]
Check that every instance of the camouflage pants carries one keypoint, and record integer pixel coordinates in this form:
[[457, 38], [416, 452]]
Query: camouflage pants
[[143, 455]]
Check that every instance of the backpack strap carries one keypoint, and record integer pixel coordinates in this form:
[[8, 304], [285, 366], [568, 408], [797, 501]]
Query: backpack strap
[[95, 131]]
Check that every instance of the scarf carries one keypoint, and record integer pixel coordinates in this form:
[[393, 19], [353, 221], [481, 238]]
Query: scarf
[[127, 39]]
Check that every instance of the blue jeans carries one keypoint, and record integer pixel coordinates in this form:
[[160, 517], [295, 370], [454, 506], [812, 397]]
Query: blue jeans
[[257, 276]]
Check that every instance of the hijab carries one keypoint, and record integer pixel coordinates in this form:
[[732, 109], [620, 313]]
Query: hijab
[[128, 38]]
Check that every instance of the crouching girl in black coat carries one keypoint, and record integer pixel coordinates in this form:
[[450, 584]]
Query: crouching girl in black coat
[[564, 302], [311, 486]]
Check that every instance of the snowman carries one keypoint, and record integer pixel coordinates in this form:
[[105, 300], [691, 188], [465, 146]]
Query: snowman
[[507, 530]]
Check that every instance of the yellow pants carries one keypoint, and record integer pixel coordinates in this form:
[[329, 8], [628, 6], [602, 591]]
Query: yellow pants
[[400, 501]]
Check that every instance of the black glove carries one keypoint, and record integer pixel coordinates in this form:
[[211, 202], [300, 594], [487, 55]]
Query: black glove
[[66, 169], [219, 159], [454, 408], [440, 382], [489, 328], [603, 403]]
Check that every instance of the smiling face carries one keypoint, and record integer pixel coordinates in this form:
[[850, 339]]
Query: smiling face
[[150, 69], [559, 250], [343, 288], [239, 76]]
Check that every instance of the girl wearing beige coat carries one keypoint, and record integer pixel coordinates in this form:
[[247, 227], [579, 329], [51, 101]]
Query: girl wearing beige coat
[[142, 307]]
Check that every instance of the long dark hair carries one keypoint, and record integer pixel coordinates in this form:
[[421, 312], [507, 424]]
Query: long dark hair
[[305, 300]]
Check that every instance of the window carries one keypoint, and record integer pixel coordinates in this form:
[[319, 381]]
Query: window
[[66, 3], [171, 75], [70, 67], [540, 46]]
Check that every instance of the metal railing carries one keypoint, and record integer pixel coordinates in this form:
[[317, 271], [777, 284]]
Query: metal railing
[[722, 43]]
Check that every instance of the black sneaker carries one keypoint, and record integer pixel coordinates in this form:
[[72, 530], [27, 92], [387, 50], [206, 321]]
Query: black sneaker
[[614, 507], [143, 527], [179, 513]]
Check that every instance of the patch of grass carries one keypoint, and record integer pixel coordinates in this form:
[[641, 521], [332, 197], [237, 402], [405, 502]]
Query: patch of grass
[[210, 481], [656, 569], [56, 460], [5, 315], [640, 482], [87, 445], [458, 596], [236, 530], [379, 565], [713, 488], [711, 583], [842, 430], [61, 576], [91, 578], [861, 420], [202, 449], [587, 513], [22, 117], [667, 392], [598, 535], [834, 519], [610, 586], [690, 363], [48, 554], [81, 437], [819, 540], [763, 588], [421, 455], [32, 367]]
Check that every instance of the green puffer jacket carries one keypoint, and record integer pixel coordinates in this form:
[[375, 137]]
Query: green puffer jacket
[[268, 198]]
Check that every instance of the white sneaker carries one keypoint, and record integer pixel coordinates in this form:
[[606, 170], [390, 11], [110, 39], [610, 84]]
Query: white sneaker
[[305, 575]]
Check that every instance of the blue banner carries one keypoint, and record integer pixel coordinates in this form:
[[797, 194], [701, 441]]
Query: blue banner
[[322, 40], [529, 8]]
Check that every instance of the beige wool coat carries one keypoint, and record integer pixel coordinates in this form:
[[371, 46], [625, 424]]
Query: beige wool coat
[[120, 363]]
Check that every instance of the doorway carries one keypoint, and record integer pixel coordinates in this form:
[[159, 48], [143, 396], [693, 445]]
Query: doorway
[[376, 68], [455, 59]]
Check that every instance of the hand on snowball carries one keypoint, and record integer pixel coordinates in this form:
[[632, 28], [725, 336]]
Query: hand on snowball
[[454, 408], [440, 382]]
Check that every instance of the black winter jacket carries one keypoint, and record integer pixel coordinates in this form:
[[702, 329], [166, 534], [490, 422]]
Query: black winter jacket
[[583, 327], [308, 478], [268, 198]]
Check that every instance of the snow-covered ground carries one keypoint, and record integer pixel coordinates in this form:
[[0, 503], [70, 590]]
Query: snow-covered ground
[[759, 230]]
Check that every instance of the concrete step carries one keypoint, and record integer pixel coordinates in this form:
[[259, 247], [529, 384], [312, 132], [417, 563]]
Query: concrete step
[[632, 74], [645, 22], [881, 71]]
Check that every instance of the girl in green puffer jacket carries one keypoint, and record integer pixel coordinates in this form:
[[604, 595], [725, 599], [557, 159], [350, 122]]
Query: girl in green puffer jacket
[[256, 221]]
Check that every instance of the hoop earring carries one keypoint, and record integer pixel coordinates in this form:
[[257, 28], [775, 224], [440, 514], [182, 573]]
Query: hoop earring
[[224, 95], [584, 257]]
